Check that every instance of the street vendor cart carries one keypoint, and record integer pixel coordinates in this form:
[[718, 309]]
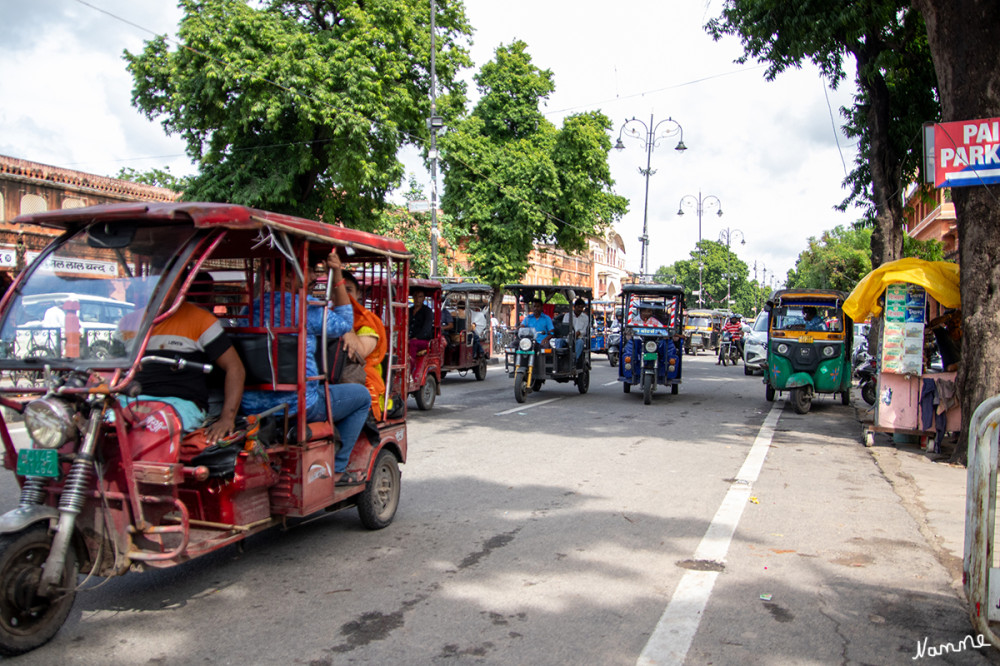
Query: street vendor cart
[[917, 302]]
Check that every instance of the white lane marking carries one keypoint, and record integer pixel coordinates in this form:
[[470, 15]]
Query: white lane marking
[[672, 637], [524, 407], [610, 383]]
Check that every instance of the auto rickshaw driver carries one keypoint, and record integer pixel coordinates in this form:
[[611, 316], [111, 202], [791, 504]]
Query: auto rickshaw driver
[[538, 320]]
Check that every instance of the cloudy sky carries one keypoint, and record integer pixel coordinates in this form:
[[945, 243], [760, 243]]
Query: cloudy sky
[[767, 150]]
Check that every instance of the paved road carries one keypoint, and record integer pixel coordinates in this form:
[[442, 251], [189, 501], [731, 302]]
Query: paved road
[[571, 529]]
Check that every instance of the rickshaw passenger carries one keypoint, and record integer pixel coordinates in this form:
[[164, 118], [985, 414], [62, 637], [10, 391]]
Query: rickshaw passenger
[[478, 320], [579, 322], [194, 334], [538, 320], [367, 344], [349, 403]]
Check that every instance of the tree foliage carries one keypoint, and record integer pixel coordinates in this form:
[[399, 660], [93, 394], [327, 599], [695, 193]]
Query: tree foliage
[[894, 78], [300, 106], [156, 177], [513, 179], [723, 272]]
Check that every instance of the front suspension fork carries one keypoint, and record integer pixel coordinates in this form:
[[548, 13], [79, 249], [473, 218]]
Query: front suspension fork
[[74, 495]]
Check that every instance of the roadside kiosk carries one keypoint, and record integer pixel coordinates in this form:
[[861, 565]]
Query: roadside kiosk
[[918, 303]]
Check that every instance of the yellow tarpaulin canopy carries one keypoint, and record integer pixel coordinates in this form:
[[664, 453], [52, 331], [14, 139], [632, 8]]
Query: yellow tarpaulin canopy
[[939, 278]]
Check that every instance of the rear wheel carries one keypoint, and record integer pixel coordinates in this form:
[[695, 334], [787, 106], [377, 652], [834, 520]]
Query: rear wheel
[[845, 397], [536, 385], [520, 385], [769, 392], [427, 393], [674, 388], [626, 387], [28, 621], [480, 370], [868, 392], [801, 399], [378, 501], [647, 389], [583, 381]]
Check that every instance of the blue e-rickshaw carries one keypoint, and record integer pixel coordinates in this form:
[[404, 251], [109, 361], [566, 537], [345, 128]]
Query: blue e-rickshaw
[[651, 348]]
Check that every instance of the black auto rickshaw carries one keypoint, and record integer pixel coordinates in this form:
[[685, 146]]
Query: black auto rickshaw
[[652, 342], [550, 344], [469, 340], [808, 346]]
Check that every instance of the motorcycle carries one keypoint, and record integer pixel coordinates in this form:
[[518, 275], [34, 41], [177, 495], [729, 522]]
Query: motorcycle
[[111, 482], [729, 349], [614, 345], [866, 372]]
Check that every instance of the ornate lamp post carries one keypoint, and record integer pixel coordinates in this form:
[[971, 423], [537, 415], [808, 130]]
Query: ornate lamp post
[[726, 236], [699, 204], [650, 136]]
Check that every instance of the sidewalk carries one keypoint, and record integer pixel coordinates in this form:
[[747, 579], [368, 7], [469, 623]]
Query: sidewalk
[[931, 489]]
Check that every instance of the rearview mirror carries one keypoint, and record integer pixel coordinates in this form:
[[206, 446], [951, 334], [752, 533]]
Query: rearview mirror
[[107, 235]]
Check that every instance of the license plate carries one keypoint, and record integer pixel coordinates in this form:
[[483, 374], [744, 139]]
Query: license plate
[[38, 462], [649, 356]]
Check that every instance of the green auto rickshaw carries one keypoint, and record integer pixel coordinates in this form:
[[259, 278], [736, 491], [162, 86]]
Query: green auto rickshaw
[[808, 346]]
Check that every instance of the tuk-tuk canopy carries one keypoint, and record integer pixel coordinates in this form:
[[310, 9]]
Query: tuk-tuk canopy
[[939, 278], [466, 287], [547, 291], [652, 289]]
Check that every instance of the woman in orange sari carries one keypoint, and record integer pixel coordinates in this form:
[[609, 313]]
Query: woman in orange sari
[[367, 343]]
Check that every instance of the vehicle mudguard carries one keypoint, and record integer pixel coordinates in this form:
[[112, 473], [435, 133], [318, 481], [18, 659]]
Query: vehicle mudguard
[[798, 380], [17, 519]]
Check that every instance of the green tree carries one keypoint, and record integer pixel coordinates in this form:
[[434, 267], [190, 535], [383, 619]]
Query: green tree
[[414, 229], [723, 273], [156, 177], [300, 106], [894, 78], [513, 179], [964, 40], [836, 260]]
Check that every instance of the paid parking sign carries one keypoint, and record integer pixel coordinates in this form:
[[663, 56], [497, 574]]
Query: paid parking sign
[[966, 152]]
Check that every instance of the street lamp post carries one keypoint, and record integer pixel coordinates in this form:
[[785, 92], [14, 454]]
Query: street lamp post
[[726, 236], [699, 204], [650, 136]]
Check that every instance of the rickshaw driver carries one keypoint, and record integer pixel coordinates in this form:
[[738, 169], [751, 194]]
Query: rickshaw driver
[[348, 402], [538, 320], [813, 321], [194, 334]]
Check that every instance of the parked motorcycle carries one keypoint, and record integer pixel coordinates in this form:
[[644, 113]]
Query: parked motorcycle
[[866, 371]]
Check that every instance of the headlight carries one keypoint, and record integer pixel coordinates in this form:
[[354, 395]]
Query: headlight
[[524, 344], [782, 348], [651, 346], [49, 423], [829, 351]]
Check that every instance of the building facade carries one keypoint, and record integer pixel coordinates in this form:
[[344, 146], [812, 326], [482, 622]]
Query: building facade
[[31, 187], [930, 215]]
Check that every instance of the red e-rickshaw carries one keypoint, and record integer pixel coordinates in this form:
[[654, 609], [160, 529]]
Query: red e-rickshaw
[[469, 305], [427, 356], [110, 483]]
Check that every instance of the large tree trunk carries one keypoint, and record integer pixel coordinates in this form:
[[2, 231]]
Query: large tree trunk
[[964, 38]]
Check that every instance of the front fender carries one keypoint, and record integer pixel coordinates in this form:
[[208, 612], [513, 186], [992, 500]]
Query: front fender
[[25, 516], [799, 379]]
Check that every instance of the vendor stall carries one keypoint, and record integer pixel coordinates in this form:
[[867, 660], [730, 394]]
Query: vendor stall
[[917, 351]]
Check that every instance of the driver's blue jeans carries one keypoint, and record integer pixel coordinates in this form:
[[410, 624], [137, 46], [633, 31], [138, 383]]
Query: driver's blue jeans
[[349, 404]]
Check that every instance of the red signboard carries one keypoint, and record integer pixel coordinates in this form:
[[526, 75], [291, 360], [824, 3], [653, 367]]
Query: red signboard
[[967, 152]]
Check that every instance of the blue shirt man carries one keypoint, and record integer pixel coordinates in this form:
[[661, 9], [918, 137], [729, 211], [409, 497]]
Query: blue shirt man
[[813, 322], [538, 320]]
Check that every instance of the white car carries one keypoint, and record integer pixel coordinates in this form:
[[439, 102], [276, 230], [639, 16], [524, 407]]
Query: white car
[[42, 334], [755, 346]]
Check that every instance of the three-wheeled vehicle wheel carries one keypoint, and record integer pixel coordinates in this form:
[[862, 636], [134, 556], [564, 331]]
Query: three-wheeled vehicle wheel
[[801, 399], [768, 392], [480, 370], [583, 381], [427, 393], [377, 503], [647, 389], [845, 398], [520, 385], [536, 384], [28, 621], [674, 389], [626, 387]]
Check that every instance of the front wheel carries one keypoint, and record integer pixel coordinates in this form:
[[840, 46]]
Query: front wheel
[[647, 389], [378, 501], [28, 621], [801, 399], [427, 393], [583, 381], [747, 370], [480, 370], [520, 385], [725, 358]]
